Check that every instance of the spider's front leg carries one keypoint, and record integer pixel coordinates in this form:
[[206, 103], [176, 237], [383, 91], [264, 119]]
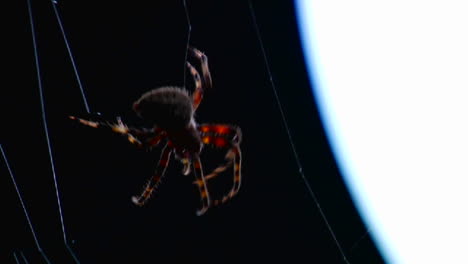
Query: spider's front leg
[[139, 137], [200, 83]]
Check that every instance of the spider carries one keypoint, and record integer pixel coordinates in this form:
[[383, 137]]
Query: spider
[[171, 111]]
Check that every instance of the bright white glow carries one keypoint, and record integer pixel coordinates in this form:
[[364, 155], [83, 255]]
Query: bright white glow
[[391, 79]]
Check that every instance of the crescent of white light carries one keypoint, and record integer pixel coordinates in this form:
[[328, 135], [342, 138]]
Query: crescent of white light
[[391, 81]]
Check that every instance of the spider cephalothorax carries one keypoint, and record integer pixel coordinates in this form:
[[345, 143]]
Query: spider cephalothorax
[[171, 110]]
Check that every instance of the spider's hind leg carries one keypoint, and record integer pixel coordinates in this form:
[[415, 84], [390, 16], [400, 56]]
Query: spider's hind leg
[[225, 136], [237, 160]]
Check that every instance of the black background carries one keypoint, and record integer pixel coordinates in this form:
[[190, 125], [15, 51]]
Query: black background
[[123, 49]]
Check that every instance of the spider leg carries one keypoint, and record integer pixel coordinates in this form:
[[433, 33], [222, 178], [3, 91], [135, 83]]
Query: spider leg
[[237, 175], [206, 76], [153, 141], [234, 158], [200, 181], [228, 131], [225, 136], [229, 161], [185, 159], [156, 178], [198, 94], [138, 137]]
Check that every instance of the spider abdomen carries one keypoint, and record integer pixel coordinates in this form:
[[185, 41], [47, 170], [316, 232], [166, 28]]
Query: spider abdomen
[[169, 108]]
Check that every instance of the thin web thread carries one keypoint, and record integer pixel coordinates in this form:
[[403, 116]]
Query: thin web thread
[[355, 245], [16, 258], [46, 129], [70, 54], [24, 258], [20, 197], [189, 33], [291, 142], [44, 119]]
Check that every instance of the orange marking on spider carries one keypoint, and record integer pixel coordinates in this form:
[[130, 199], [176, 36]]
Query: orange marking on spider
[[204, 194], [206, 140], [199, 182], [222, 129], [85, 122], [237, 178]]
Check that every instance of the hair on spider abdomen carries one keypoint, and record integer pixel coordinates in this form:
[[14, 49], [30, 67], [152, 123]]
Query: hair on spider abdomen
[[166, 107]]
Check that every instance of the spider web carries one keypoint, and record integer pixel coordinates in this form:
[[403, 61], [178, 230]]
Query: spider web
[[89, 218]]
